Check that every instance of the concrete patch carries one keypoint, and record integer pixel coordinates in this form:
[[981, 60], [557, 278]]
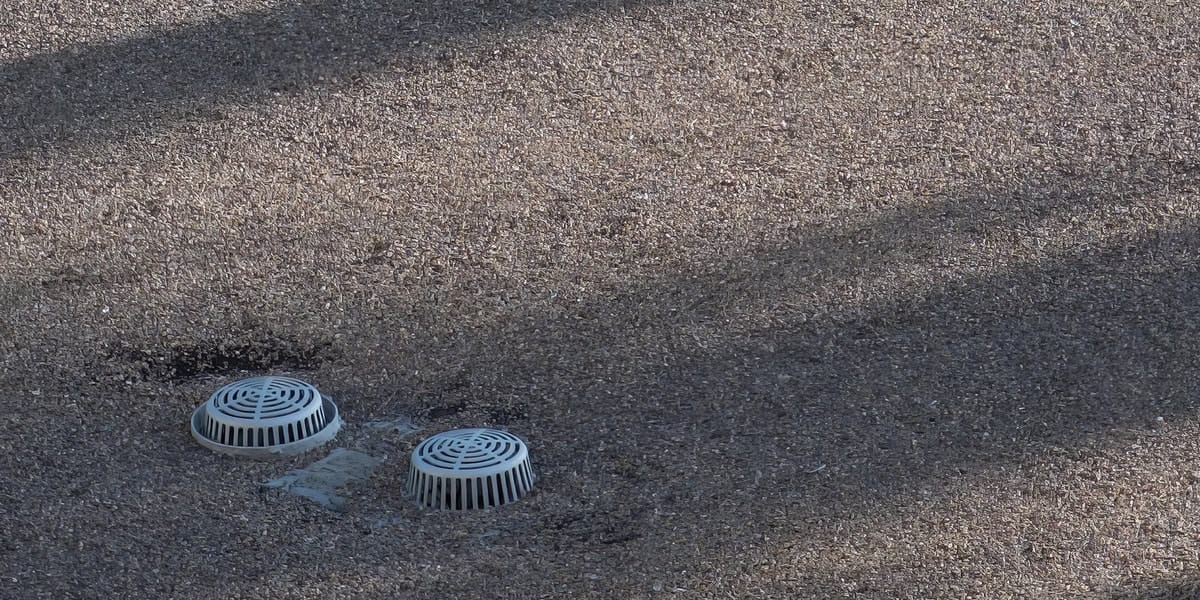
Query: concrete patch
[[321, 480]]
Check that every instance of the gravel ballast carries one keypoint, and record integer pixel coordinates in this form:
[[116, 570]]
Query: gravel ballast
[[790, 300]]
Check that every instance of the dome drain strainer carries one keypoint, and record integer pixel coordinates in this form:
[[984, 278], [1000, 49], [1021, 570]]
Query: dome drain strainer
[[265, 416], [470, 468]]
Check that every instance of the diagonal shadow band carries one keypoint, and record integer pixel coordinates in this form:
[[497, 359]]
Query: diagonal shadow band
[[109, 90], [977, 370], [778, 431], [829, 420], [1177, 588]]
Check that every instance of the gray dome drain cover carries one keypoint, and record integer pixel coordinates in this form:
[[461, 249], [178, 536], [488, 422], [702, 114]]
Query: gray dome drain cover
[[470, 468], [265, 416]]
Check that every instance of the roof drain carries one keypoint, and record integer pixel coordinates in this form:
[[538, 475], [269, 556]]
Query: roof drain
[[469, 469], [265, 416]]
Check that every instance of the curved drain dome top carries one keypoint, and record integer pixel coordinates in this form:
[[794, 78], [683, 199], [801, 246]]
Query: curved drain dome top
[[470, 468], [264, 416]]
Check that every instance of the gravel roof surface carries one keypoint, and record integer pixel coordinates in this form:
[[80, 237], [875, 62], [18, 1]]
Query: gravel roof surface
[[791, 299]]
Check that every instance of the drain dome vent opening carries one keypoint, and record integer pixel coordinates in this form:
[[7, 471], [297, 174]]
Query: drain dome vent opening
[[265, 416], [469, 469]]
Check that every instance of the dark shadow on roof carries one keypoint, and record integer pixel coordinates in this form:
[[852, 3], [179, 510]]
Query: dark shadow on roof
[[102, 92], [1182, 588]]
